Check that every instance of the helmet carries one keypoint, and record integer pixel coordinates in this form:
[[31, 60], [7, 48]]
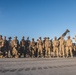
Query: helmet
[[32, 38]]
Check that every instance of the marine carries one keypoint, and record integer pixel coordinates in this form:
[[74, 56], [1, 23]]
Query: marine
[[47, 47], [1, 46], [56, 47], [23, 49], [32, 48], [61, 47], [10, 46], [27, 46], [15, 47], [69, 47], [5, 47], [40, 47]]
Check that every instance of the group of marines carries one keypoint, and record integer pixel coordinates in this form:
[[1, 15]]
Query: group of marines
[[40, 48]]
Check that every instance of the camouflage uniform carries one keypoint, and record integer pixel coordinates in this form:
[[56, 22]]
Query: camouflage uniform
[[23, 47], [44, 50], [15, 47], [5, 47], [32, 48], [36, 50], [47, 47], [55, 47], [69, 47], [61, 46], [1, 46], [10, 46], [27, 46], [40, 47], [15, 52]]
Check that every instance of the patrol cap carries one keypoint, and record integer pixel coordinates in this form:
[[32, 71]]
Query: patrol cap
[[37, 39], [32, 38], [9, 37]]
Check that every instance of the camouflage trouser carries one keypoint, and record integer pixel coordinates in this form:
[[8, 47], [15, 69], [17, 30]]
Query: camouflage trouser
[[15, 52], [23, 51], [69, 49], [1, 53], [9, 52], [47, 52], [55, 50], [40, 51], [61, 50], [4, 51], [32, 53]]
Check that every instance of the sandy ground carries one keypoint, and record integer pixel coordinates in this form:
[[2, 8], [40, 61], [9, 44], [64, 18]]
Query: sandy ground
[[38, 66]]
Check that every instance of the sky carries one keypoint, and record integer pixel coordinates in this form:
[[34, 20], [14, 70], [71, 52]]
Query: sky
[[37, 18]]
